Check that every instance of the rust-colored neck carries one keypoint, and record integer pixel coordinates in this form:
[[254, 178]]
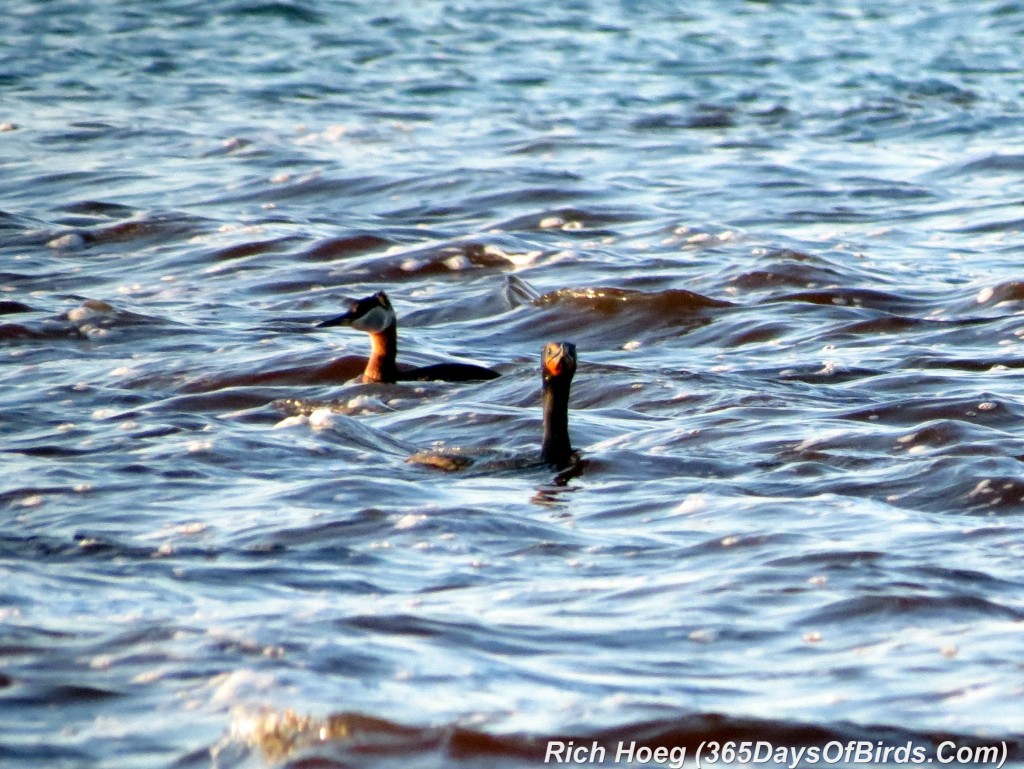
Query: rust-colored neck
[[381, 366]]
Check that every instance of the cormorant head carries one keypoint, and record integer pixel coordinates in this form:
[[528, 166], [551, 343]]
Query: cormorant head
[[372, 314], [559, 362]]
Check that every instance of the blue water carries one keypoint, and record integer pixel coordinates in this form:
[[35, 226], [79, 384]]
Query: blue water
[[785, 238]]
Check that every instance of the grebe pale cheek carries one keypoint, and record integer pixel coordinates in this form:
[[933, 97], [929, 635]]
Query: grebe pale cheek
[[375, 316]]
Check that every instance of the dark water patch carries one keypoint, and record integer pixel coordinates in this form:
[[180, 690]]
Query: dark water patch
[[452, 258], [914, 607], [827, 373], [230, 397], [10, 307], [583, 221], [150, 228], [994, 164], [338, 534], [497, 300], [299, 281], [434, 88], [959, 577], [34, 694], [99, 209], [96, 319], [835, 214], [785, 274], [995, 363], [1009, 291], [17, 223], [888, 190], [945, 432], [76, 547], [718, 544], [47, 754], [996, 493], [781, 267], [1011, 226], [19, 332], [887, 324], [349, 245], [337, 371], [291, 12], [837, 560], [58, 185], [938, 89], [235, 145], [492, 202], [20, 639], [131, 637], [567, 144], [51, 451], [431, 214], [254, 248], [14, 497], [82, 131], [664, 307], [952, 481], [853, 297], [741, 330], [527, 641], [703, 117], [313, 186]]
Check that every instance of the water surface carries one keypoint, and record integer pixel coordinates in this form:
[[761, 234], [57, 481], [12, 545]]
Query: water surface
[[785, 238]]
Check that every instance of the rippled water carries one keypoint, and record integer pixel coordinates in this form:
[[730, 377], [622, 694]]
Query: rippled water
[[786, 240]]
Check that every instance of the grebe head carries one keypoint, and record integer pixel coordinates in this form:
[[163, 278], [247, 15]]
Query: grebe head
[[559, 362], [372, 314]]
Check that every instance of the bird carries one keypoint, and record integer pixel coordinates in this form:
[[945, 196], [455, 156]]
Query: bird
[[375, 315], [558, 366]]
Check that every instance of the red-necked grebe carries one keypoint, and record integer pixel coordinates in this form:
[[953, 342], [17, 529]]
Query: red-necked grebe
[[375, 315]]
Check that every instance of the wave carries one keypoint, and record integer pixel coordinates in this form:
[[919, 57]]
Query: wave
[[349, 739]]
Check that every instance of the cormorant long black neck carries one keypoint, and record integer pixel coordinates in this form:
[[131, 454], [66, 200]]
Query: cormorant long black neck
[[558, 367]]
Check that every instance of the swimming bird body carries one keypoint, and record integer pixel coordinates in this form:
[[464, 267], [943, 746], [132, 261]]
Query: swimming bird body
[[558, 366], [374, 315]]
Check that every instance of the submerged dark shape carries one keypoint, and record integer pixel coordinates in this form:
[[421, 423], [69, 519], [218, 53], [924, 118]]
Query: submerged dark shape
[[375, 315], [558, 365]]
